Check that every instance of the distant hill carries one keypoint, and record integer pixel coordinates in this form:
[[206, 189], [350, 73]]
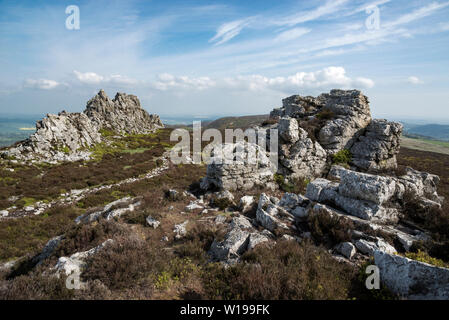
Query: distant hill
[[236, 122], [434, 131]]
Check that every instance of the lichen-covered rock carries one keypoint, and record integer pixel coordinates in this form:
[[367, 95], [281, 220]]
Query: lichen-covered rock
[[347, 249], [255, 239], [412, 279], [368, 247], [362, 186], [233, 245], [111, 210], [180, 230], [377, 148], [253, 168], [351, 116], [267, 214], [421, 184], [288, 129], [246, 203], [303, 158]]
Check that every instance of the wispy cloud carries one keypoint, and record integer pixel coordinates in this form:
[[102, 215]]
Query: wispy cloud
[[329, 7], [292, 34], [229, 30], [416, 14]]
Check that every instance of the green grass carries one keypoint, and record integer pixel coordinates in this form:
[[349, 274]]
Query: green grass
[[424, 257], [138, 150], [425, 144]]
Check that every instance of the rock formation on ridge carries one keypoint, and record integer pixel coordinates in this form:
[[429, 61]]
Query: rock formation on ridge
[[68, 136], [312, 130]]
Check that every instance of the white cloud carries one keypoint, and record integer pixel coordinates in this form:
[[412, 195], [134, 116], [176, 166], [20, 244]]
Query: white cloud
[[88, 77], [94, 78], [167, 81], [43, 84], [414, 80], [327, 78]]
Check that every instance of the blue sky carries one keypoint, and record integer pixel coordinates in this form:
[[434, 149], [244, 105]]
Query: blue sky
[[226, 57]]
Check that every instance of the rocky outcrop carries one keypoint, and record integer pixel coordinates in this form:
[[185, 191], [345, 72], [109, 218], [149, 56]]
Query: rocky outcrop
[[68, 136], [351, 115], [121, 114], [312, 130], [334, 121], [374, 197], [62, 137], [412, 279]]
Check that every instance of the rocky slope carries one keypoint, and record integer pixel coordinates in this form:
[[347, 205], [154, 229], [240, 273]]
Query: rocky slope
[[68, 136]]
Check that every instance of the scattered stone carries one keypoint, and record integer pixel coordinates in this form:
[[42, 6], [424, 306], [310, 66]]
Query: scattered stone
[[241, 222], [246, 203], [234, 244], [256, 238], [153, 223], [220, 219], [173, 195], [180, 230], [368, 247], [347, 249], [77, 262], [108, 212]]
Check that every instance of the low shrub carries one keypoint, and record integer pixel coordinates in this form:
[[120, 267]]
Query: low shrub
[[35, 286], [287, 271], [325, 114], [126, 263], [330, 230], [342, 157]]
